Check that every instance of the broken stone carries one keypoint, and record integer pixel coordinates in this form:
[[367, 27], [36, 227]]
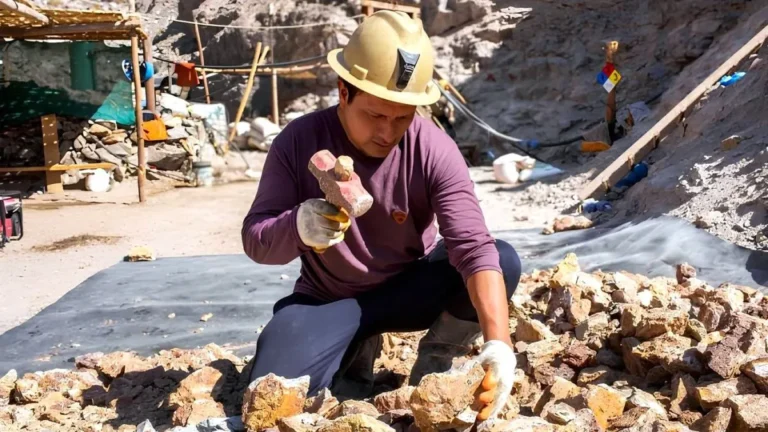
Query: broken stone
[[145, 426], [726, 357], [321, 404], [206, 383], [606, 357], [563, 271], [306, 422], [116, 364], [712, 395], [529, 330], [641, 399], [598, 325], [689, 418], [757, 371], [658, 376], [394, 400], [684, 272], [99, 130], [270, 398], [400, 416], [356, 423], [605, 402], [351, 407], [683, 394], [711, 315], [521, 423], [731, 143], [695, 330], [96, 414], [56, 408], [569, 223], [597, 375], [633, 418], [716, 420], [166, 156], [561, 390], [635, 363], [197, 411], [750, 412], [672, 351], [545, 374], [578, 311], [579, 355], [657, 322], [561, 414], [445, 400], [7, 383], [116, 138], [542, 352]]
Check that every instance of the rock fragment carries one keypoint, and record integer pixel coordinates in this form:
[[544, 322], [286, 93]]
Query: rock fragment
[[306, 422], [197, 411], [657, 322], [321, 404], [712, 395], [750, 412], [394, 400], [717, 420], [579, 355], [356, 423], [606, 403], [569, 223], [7, 383], [529, 330], [350, 407], [270, 398], [447, 400], [684, 272], [757, 371], [542, 352]]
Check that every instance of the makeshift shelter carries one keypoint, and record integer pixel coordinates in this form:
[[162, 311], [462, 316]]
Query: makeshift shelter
[[21, 20]]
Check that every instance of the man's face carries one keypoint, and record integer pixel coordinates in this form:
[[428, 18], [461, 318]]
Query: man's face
[[374, 125]]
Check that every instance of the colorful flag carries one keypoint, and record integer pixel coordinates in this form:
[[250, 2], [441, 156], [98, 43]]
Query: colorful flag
[[608, 77]]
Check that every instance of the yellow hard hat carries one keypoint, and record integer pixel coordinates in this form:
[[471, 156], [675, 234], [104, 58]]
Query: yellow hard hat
[[389, 56]]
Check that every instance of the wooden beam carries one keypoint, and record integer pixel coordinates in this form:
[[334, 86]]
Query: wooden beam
[[149, 86], [23, 10], [202, 62], [119, 28], [640, 149], [139, 123], [268, 71], [58, 167], [415, 10], [275, 105], [244, 101], [51, 153]]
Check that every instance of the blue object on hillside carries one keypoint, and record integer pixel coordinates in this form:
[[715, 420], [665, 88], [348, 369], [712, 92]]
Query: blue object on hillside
[[639, 172], [593, 206], [730, 79], [146, 70]]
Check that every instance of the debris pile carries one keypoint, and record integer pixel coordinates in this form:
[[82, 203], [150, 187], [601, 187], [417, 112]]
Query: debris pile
[[595, 352]]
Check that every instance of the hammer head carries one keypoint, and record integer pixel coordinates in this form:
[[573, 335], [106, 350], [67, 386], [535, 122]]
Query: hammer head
[[340, 184]]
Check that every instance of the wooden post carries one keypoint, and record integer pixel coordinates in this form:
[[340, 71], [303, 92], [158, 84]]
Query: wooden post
[[132, 6], [23, 10], [275, 110], [139, 120], [51, 153], [149, 86], [610, 106], [256, 58], [202, 62]]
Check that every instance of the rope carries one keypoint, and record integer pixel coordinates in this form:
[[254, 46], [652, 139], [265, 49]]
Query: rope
[[259, 28], [248, 65]]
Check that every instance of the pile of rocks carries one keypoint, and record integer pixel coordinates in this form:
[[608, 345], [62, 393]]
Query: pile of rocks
[[595, 352]]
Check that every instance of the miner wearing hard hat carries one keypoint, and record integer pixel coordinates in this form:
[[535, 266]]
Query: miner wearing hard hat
[[384, 271]]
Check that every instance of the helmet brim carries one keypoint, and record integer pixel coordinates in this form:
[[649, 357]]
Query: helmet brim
[[431, 95]]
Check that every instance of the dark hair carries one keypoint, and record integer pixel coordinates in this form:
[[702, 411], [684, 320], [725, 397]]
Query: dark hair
[[352, 90]]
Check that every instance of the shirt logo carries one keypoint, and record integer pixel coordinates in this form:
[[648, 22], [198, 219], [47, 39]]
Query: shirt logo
[[399, 216]]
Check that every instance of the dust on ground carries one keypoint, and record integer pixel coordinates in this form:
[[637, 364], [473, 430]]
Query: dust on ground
[[74, 241]]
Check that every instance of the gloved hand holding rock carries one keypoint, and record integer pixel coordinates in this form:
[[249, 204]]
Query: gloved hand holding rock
[[499, 361], [320, 224]]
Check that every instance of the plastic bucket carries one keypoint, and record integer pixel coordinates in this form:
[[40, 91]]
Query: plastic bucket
[[203, 172]]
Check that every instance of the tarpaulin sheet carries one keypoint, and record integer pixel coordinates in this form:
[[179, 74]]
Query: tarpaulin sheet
[[126, 306]]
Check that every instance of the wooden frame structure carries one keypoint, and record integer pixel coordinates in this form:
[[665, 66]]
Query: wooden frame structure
[[371, 6], [676, 116], [20, 19]]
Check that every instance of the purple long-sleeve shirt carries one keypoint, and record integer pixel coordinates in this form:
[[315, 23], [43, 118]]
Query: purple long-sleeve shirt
[[424, 177]]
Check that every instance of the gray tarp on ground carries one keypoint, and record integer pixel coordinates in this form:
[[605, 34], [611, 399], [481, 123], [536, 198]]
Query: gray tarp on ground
[[126, 306]]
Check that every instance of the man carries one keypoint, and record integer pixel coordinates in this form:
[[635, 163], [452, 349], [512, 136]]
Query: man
[[383, 271]]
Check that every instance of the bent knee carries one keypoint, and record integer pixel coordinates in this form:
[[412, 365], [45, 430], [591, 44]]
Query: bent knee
[[510, 264]]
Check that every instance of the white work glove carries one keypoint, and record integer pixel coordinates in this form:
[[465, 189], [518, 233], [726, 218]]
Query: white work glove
[[499, 362], [320, 224]]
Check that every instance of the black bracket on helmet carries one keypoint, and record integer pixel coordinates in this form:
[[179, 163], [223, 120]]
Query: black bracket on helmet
[[406, 65]]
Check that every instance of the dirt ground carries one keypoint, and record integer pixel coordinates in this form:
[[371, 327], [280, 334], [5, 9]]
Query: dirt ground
[[72, 237]]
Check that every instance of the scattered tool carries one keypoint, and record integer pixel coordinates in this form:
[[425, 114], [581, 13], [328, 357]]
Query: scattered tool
[[341, 185], [11, 217]]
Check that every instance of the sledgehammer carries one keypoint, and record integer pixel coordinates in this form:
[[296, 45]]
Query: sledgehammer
[[341, 185]]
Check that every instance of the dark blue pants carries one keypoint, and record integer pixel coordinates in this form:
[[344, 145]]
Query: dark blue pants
[[309, 337]]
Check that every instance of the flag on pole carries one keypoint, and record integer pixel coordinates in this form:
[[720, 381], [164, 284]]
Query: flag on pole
[[608, 77]]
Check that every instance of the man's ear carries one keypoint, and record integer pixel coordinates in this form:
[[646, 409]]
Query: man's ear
[[343, 93]]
